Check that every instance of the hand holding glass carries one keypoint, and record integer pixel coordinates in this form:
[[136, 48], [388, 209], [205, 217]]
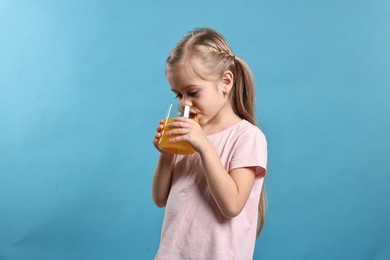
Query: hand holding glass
[[183, 148]]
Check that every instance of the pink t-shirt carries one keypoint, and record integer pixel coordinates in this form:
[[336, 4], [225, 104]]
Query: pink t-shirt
[[194, 227]]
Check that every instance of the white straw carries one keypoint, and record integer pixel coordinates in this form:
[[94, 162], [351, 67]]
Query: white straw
[[166, 120], [168, 113], [187, 111]]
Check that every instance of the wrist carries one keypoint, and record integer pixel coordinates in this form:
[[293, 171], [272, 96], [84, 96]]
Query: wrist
[[166, 156], [206, 148]]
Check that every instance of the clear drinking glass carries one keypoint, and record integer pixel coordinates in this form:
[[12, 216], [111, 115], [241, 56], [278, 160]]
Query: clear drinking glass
[[183, 148]]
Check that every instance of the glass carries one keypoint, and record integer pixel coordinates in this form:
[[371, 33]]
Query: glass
[[183, 148]]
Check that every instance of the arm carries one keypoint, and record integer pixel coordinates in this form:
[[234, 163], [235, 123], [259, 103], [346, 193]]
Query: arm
[[230, 191], [162, 180], [163, 174]]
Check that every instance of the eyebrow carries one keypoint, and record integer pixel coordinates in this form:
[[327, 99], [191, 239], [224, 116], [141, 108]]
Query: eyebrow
[[190, 86]]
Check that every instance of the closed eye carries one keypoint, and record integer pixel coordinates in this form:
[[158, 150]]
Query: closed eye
[[189, 94], [177, 94], [193, 94]]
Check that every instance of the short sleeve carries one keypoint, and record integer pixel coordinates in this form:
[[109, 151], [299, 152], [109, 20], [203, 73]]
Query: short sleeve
[[250, 150]]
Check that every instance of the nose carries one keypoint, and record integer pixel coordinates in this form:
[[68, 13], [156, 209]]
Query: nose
[[185, 101]]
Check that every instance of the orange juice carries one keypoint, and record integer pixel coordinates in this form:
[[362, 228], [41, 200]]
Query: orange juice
[[164, 144]]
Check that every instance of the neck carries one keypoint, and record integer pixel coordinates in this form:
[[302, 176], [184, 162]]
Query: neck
[[225, 119]]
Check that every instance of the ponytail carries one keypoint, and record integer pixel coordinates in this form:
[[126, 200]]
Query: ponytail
[[243, 98], [243, 101]]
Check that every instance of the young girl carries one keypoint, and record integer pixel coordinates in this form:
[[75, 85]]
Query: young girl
[[214, 198]]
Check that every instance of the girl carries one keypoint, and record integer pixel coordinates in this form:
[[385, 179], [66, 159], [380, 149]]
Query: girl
[[214, 198]]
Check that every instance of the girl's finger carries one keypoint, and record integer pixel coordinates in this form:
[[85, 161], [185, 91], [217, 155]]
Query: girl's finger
[[159, 128], [177, 131], [178, 125], [179, 138], [182, 119]]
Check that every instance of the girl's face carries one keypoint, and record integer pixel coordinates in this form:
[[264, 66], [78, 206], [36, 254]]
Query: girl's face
[[206, 97]]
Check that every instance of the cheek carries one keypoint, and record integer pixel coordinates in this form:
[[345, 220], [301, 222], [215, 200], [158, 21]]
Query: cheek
[[208, 108], [208, 105]]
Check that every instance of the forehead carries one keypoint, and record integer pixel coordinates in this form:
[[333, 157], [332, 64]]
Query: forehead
[[181, 76]]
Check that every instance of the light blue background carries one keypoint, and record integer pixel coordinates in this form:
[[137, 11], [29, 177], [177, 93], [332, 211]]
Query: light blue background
[[82, 88]]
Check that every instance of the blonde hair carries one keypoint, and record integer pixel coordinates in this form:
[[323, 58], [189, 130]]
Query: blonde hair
[[209, 47]]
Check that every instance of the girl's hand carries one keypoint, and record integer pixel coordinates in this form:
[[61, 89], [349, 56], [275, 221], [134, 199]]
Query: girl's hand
[[158, 135], [188, 131]]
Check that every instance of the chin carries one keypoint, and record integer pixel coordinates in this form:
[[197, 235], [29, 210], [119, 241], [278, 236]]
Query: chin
[[201, 121]]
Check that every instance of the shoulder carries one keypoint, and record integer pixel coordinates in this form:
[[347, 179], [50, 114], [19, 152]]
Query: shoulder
[[250, 147], [245, 129], [242, 134]]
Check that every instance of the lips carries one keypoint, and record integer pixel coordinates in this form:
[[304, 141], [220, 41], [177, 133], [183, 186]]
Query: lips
[[193, 114]]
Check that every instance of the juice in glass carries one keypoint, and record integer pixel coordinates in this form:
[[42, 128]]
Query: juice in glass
[[164, 144]]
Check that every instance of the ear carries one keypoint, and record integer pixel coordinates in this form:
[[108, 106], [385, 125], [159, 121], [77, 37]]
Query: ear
[[227, 81]]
